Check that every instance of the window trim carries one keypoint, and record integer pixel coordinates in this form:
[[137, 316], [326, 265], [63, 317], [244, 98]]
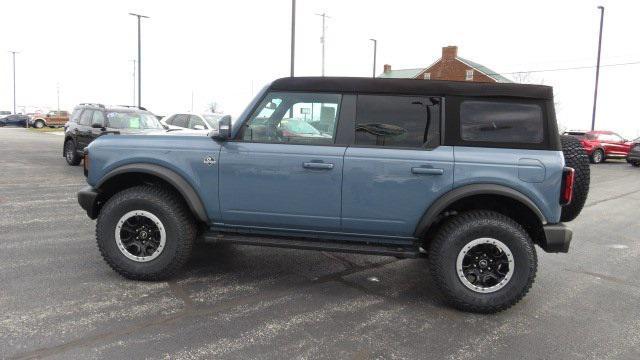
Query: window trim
[[453, 136]]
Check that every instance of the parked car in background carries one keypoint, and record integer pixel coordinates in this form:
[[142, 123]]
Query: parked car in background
[[634, 154], [602, 145], [4, 113], [14, 120], [52, 118], [89, 121], [192, 121]]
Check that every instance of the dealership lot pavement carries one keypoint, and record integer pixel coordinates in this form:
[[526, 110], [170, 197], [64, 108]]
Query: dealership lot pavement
[[59, 299]]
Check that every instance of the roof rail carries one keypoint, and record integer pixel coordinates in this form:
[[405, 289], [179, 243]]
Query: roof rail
[[134, 106], [92, 104]]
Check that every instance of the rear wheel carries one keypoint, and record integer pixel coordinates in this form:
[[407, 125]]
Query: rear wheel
[[483, 261], [145, 233], [576, 158], [71, 154], [597, 156], [39, 124]]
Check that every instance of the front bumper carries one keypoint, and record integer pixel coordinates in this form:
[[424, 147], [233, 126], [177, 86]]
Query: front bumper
[[88, 200], [557, 238]]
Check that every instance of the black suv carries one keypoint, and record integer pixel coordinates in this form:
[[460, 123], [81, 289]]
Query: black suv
[[88, 121]]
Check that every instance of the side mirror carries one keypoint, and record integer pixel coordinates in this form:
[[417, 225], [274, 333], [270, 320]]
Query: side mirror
[[224, 129], [97, 126], [198, 127]]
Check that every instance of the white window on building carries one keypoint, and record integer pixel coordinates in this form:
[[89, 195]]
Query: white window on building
[[427, 76], [469, 75]]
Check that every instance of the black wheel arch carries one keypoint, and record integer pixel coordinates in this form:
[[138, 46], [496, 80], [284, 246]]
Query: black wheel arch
[[134, 174], [495, 197]]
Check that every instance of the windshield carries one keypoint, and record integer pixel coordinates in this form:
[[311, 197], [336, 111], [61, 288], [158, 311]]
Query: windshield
[[212, 120], [132, 120]]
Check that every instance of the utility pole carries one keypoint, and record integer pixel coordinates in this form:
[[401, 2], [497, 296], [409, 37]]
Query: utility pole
[[293, 36], [139, 59], [375, 50], [192, 100], [595, 92], [13, 53], [134, 83], [323, 38]]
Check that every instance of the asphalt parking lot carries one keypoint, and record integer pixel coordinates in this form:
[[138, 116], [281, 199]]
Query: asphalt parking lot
[[59, 299]]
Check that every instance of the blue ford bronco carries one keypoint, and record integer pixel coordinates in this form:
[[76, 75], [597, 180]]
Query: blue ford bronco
[[468, 175]]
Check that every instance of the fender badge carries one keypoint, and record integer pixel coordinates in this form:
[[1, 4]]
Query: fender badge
[[209, 160]]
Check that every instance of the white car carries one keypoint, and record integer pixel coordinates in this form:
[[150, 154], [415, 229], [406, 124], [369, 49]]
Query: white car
[[199, 122]]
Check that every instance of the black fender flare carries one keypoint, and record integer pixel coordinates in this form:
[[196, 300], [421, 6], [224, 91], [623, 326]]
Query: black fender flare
[[185, 189], [431, 215]]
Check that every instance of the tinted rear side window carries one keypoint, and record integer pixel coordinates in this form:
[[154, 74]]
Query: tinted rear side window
[[501, 122], [391, 121]]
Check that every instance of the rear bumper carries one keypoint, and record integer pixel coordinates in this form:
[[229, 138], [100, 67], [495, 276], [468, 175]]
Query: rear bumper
[[88, 200], [557, 238]]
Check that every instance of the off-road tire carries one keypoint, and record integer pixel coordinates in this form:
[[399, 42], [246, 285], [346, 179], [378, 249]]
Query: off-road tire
[[72, 158], [460, 230], [576, 158], [176, 218], [38, 124], [595, 159]]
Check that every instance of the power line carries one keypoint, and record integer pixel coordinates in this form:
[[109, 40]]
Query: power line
[[564, 69]]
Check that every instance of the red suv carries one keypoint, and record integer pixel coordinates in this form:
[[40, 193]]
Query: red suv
[[602, 145]]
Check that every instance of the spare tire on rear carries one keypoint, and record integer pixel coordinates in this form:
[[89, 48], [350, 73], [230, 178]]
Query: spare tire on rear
[[576, 158]]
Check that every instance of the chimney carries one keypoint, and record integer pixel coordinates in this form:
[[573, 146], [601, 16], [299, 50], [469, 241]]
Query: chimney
[[387, 68], [449, 52]]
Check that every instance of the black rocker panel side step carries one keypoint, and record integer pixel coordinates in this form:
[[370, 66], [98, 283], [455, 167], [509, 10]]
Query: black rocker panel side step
[[305, 244]]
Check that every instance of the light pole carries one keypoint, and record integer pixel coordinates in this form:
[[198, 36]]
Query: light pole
[[134, 83], [595, 92], [375, 50], [322, 39], [293, 35], [58, 95], [139, 59], [13, 53]]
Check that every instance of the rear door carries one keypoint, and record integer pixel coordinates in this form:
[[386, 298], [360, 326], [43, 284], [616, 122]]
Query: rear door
[[282, 172], [396, 168]]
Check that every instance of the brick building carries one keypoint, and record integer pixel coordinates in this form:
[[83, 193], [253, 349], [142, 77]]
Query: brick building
[[449, 67]]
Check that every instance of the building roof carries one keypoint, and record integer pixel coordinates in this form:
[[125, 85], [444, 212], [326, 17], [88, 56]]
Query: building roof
[[485, 70], [411, 87], [401, 74]]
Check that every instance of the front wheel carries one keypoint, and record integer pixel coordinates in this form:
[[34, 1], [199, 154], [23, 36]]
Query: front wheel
[[597, 156], [483, 261], [70, 153], [145, 233]]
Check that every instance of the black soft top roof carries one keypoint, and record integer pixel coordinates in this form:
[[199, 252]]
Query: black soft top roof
[[412, 87]]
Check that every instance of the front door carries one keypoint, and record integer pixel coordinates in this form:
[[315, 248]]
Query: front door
[[83, 130], [281, 171], [396, 168]]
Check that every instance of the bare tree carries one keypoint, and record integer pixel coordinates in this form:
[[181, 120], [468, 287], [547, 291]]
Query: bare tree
[[522, 77], [212, 106]]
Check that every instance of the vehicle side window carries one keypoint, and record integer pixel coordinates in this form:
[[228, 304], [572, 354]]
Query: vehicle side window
[[181, 120], [501, 122], [169, 120], [294, 118], [609, 138], [86, 117], [392, 121], [75, 116], [196, 120], [98, 118]]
